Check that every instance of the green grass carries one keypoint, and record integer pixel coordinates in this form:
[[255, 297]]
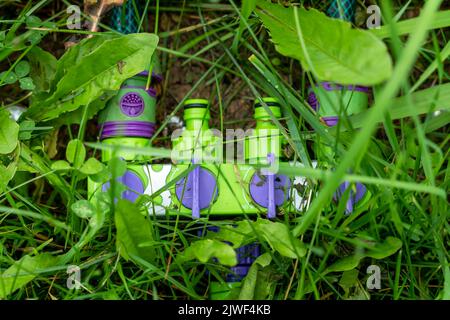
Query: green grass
[[399, 149]]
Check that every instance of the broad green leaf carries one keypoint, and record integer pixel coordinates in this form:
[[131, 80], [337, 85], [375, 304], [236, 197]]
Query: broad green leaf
[[22, 69], [133, 230], [379, 251], [117, 166], [22, 272], [6, 174], [33, 21], [83, 209], [349, 279], [26, 83], [99, 70], [9, 133], [61, 165], [75, 54], [237, 236], [279, 237], [76, 153], [71, 58], [334, 51], [43, 68], [25, 129], [75, 117], [204, 250], [345, 264], [92, 166], [256, 278], [8, 78], [276, 234]]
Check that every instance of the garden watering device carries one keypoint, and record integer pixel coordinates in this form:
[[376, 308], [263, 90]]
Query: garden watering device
[[201, 183], [328, 98], [212, 188]]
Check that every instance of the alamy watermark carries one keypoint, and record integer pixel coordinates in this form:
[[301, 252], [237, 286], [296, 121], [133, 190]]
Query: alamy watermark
[[241, 146], [374, 19], [74, 279], [374, 280]]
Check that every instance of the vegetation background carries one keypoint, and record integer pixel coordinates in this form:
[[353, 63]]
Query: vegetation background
[[220, 50]]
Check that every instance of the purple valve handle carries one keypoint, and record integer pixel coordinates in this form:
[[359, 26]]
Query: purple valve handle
[[195, 191], [271, 209]]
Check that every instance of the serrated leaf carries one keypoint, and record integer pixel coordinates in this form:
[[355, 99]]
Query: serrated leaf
[[83, 209], [75, 117], [9, 133], [204, 250], [76, 153], [337, 52], [95, 73], [22, 69], [133, 230]]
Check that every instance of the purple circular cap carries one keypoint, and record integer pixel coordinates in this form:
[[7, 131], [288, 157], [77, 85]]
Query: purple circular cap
[[259, 189], [207, 189], [132, 104], [354, 197], [132, 182]]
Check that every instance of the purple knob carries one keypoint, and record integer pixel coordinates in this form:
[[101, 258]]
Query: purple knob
[[269, 191], [198, 191], [132, 182]]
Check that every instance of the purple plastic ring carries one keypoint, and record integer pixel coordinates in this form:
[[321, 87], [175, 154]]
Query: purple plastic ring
[[151, 91], [141, 129], [157, 77], [132, 182]]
